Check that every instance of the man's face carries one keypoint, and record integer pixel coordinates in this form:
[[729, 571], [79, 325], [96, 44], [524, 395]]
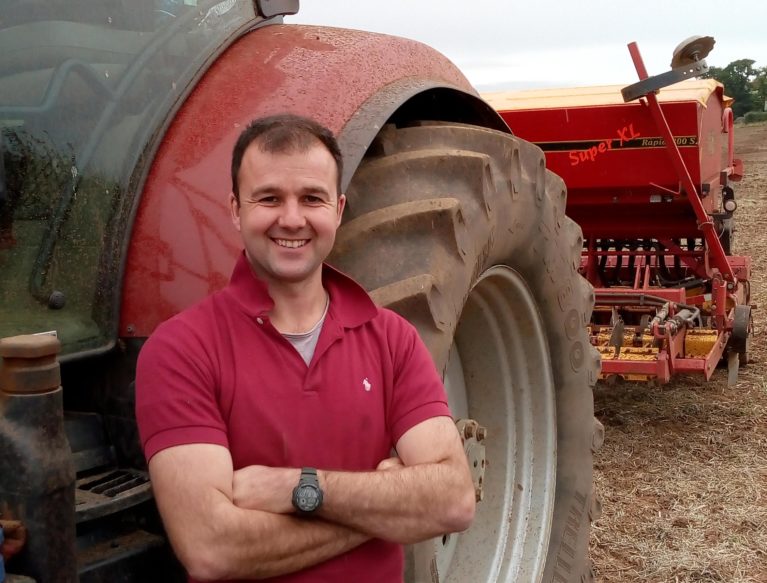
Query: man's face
[[289, 211]]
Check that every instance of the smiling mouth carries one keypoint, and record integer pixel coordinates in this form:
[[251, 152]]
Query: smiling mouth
[[291, 243]]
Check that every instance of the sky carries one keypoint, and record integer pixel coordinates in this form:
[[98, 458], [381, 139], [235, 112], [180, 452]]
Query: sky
[[517, 44]]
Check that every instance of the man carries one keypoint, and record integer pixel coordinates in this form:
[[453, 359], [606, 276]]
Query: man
[[268, 411]]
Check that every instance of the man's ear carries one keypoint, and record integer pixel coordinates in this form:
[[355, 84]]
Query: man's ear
[[234, 209], [341, 207]]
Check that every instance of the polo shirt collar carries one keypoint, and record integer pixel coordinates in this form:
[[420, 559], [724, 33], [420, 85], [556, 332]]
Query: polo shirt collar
[[350, 304]]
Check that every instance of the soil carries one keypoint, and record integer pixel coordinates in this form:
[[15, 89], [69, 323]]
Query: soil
[[683, 471]]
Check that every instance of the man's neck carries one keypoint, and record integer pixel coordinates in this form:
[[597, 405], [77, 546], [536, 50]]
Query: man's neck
[[299, 306]]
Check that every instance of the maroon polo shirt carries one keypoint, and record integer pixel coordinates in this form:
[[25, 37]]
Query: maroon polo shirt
[[220, 373]]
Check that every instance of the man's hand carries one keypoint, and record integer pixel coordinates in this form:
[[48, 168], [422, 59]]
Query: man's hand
[[390, 463], [426, 491], [217, 540], [264, 488], [15, 536]]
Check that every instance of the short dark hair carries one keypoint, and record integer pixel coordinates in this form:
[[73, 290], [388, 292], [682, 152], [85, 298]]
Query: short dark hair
[[281, 134]]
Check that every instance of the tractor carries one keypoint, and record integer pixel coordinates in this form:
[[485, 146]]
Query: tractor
[[117, 120]]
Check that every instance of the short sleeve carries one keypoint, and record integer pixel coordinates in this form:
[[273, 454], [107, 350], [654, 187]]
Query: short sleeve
[[176, 391], [417, 393]]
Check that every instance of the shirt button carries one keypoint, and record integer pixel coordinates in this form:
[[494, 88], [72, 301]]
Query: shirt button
[[259, 320]]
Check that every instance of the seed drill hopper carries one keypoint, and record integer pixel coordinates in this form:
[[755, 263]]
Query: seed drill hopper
[[649, 170]]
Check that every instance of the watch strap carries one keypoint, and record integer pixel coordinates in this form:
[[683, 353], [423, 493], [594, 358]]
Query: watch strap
[[310, 475]]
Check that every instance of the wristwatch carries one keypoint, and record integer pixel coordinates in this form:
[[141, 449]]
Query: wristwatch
[[307, 496]]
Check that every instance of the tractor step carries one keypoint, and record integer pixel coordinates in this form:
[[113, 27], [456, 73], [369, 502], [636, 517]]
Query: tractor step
[[135, 555], [109, 492], [102, 487]]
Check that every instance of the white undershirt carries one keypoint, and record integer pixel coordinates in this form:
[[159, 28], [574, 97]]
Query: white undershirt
[[306, 342]]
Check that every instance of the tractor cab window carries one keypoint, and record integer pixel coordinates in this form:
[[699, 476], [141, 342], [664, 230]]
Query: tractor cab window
[[86, 88]]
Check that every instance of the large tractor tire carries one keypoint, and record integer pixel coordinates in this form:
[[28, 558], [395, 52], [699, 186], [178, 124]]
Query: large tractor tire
[[463, 231]]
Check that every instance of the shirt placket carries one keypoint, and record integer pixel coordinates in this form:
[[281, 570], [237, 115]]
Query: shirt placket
[[332, 332]]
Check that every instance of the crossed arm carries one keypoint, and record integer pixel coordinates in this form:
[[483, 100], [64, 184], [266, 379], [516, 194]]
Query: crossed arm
[[227, 524]]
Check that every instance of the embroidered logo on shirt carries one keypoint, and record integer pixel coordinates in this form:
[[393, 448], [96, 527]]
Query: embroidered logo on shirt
[[366, 384]]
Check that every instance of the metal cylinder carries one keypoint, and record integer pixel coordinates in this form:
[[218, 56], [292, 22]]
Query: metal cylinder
[[29, 364], [37, 476]]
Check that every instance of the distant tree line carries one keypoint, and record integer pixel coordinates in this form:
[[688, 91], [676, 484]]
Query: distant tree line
[[744, 83]]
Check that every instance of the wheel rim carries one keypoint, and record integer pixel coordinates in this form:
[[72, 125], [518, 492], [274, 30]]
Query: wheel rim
[[499, 374]]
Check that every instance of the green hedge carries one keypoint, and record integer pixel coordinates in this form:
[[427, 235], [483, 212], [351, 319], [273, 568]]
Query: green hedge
[[755, 116]]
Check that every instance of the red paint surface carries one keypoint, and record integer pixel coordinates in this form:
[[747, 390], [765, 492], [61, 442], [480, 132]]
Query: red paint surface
[[656, 369], [183, 245], [609, 196]]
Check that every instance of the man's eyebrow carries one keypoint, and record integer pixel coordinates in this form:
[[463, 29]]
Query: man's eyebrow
[[316, 189], [266, 189]]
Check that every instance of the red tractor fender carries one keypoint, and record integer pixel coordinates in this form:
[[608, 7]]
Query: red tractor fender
[[183, 245]]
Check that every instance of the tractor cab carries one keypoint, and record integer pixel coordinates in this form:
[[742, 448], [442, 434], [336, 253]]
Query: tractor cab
[[86, 91]]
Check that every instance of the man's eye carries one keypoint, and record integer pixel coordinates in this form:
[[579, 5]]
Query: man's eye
[[267, 200], [311, 199]]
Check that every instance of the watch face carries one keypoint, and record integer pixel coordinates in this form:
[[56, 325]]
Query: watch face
[[307, 498]]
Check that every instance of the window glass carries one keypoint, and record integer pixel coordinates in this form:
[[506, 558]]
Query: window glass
[[86, 87]]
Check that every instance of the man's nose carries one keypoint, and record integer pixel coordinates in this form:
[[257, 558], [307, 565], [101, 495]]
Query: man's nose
[[292, 215]]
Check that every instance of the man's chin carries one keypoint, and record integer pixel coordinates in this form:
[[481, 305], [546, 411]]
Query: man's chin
[[290, 276], [280, 270]]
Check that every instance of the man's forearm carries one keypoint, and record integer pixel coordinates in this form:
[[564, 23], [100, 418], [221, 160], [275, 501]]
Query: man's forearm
[[251, 544], [405, 505], [427, 492]]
